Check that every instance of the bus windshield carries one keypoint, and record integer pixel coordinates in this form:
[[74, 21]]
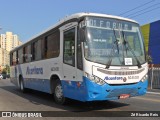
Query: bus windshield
[[115, 41]]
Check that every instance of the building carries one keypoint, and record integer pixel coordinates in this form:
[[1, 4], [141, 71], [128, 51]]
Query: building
[[151, 34], [8, 41], [4, 59]]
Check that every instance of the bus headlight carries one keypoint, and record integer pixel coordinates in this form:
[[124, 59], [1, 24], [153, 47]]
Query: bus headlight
[[95, 79], [144, 78]]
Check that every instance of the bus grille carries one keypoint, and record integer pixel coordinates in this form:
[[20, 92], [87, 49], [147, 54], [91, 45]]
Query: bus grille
[[118, 92], [120, 72], [122, 84]]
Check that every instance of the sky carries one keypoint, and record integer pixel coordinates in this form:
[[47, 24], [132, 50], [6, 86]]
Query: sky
[[26, 18]]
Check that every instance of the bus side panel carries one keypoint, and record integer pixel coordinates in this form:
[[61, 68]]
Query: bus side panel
[[36, 75], [74, 90]]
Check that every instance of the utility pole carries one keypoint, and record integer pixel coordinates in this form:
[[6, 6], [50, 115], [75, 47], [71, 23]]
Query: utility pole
[[151, 75], [0, 47]]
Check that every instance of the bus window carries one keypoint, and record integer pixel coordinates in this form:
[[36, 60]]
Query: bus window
[[17, 57], [69, 47], [44, 47], [20, 56], [14, 58], [52, 45], [29, 56], [24, 54], [79, 50], [11, 59], [36, 50]]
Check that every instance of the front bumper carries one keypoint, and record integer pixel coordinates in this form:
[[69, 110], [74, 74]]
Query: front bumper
[[109, 92]]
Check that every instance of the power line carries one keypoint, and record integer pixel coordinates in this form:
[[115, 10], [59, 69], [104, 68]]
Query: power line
[[144, 12], [143, 9], [137, 7]]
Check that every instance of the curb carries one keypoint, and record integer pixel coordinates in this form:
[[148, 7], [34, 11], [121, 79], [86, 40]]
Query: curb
[[158, 93]]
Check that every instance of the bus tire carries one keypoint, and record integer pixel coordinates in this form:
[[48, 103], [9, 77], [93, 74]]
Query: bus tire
[[21, 82], [58, 93]]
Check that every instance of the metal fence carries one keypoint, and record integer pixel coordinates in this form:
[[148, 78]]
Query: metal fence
[[154, 78]]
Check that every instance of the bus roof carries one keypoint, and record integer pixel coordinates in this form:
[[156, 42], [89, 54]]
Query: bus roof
[[76, 16]]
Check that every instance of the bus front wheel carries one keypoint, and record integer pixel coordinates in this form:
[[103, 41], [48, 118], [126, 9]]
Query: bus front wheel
[[58, 93]]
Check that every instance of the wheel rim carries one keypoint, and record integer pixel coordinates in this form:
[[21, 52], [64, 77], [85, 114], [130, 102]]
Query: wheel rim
[[58, 92], [21, 85]]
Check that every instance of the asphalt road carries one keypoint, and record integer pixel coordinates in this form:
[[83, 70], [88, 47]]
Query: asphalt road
[[11, 99]]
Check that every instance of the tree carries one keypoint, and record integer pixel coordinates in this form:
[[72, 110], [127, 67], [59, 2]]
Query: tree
[[149, 59], [7, 69], [4, 71]]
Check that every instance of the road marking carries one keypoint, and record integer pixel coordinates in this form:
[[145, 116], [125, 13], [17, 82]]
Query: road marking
[[147, 99], [154, 93]]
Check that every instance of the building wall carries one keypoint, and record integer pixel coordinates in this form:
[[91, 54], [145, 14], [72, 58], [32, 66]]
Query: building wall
[[146, 31], [151, 33]]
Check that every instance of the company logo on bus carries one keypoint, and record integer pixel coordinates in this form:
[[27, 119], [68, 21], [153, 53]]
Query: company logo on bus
[[113, 78], [124, 79], [34, 70], [116, 78]]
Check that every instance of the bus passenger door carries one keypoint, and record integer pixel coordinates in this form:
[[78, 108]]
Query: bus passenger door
[[70, 81], [69, 69]]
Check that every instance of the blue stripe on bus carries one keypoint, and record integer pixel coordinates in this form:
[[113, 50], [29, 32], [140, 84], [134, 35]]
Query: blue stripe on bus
[[37, 84], [88, 90]]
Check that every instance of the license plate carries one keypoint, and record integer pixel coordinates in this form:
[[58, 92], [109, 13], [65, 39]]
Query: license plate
[[124, 96]]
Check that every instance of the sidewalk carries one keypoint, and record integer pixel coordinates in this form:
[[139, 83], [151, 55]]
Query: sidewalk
[[154, 90]]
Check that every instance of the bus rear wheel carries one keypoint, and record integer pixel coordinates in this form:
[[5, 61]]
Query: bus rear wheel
[[58, 93], [22, 88]]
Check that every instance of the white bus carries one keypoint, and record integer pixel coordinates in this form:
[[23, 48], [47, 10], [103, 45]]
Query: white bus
[[86, 57]]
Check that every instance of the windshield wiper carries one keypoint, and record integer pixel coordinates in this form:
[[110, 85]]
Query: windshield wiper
[[112, 50], [129, 48], [116, 41]]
